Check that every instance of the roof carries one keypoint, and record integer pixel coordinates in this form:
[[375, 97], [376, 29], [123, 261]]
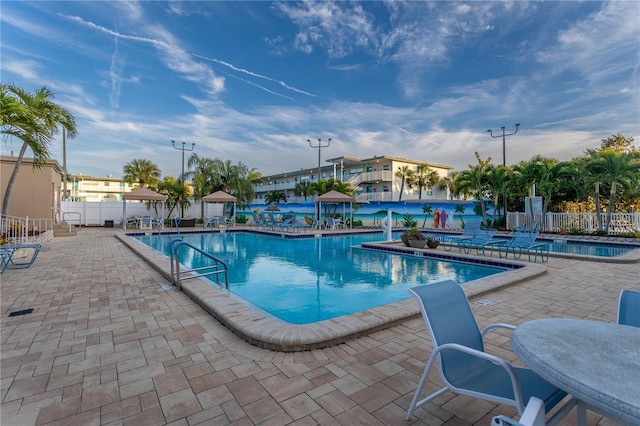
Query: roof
[[335, 197], [219, 197], [143, 194]]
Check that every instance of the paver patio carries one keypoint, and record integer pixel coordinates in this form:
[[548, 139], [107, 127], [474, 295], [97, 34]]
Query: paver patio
[[106, 344]]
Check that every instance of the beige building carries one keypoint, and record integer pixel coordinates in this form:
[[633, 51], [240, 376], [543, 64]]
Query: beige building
[[373, 178], [36, 192], [96, 189]]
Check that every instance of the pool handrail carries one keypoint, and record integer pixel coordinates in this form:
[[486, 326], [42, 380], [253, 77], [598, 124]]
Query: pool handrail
[[219, 267]]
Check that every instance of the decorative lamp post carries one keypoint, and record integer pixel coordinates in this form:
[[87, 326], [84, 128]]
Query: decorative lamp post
[[183, 149], [504, 161]]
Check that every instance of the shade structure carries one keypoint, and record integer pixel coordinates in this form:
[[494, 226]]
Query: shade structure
[[142, 194], [272, 208], [335, 197], [222, 197]]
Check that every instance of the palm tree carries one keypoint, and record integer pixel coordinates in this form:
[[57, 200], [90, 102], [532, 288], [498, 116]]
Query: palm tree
[[245, 187], [141, 171], [425, 177], [404, 173], [203, 178], [275, 197], [497, 180], [474, 181], [450, 182], [303, 188], [427, 210], [34, 119], [177, 193], [617, 170]]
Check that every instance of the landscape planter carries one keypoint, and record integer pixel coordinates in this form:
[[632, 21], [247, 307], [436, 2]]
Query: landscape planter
[[433, 244], [417, 243], [187, 223]]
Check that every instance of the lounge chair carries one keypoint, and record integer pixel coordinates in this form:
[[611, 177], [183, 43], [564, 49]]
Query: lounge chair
[[629, 308], [18, 256], [465, 368], [479, 241], [523, 242], [471, 228], [257, 220]]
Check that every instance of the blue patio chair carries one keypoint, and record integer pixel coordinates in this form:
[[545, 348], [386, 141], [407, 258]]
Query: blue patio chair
[[465, 368], [629, 308], [523, 242], [8, 259], [533, 415], [479, 241], [146, 222], [471, 228]]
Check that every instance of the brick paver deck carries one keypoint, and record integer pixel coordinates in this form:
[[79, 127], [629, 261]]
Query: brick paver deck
[[106, 344]]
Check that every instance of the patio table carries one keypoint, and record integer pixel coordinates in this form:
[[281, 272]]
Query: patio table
[[598, 363]]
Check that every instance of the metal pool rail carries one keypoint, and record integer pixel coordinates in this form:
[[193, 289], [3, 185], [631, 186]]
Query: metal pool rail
[[218, 268]]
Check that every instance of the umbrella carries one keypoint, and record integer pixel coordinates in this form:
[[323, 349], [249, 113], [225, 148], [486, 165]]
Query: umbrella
[[272, 208]]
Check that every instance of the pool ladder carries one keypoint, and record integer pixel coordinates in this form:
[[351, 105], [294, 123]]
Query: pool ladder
[[218, 269]]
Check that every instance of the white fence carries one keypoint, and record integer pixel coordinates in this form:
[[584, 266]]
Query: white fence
[[621, 223], [87, 213]]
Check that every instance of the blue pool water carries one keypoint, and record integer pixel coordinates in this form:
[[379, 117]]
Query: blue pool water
[[306, 280]]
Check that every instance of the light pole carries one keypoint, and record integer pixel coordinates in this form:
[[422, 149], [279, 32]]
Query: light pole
[[183, 149], [320, 145], [504, 162]]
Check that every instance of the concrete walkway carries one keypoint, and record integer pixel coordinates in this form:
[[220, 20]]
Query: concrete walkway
[[105, 344]]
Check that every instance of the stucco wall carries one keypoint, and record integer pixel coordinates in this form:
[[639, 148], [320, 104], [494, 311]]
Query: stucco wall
[[36, 192]]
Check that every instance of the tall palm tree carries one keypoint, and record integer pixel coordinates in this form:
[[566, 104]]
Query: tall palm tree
[[404, 173], [425, 177], [474, 181], [303, 188], [497, 180], [450, 182], [276, 196], [619, 170], [32, 118], [245, 187], [203, 178], [141, 171]]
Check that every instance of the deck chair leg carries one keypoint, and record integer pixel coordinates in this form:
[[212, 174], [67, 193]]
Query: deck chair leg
[[423, 380]]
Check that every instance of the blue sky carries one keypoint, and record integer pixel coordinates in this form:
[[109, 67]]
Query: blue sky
[[252, 81]]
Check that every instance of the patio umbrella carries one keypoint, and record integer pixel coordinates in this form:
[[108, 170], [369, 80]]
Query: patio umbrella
[[272, 208]]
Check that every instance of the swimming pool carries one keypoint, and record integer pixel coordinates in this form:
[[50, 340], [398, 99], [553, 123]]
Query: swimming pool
[[306, 280]]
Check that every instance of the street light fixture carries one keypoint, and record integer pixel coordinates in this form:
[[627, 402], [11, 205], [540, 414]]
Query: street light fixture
[[320, 145], [183, 149], [504, 162]]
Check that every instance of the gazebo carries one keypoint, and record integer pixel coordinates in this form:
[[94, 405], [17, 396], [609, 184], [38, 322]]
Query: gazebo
[[142, 194], [222, 197], [335, 197]]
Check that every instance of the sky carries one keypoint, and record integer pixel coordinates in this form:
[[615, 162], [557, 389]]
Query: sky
[[252, 82]]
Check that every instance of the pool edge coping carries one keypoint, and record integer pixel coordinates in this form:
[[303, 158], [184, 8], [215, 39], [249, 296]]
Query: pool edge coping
[[268, 332]]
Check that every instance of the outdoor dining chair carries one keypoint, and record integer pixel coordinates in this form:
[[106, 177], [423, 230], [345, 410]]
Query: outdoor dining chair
[[629, 308], [465, 368]]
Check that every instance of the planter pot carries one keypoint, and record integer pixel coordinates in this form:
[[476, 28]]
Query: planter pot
[[187, 223], [433, 244], [417, 243], [405, 240]]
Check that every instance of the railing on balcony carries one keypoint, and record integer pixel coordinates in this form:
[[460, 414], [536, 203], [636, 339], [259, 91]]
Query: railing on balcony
[[382, 176]]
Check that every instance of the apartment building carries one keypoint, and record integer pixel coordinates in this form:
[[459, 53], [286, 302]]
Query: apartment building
[[373, 178], [97, 189]]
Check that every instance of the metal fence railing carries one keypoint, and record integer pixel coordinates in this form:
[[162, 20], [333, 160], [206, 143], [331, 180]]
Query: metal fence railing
[[23, 230]]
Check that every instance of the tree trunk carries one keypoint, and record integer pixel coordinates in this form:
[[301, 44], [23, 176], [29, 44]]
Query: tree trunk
[[12, 179], [612, 195]]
